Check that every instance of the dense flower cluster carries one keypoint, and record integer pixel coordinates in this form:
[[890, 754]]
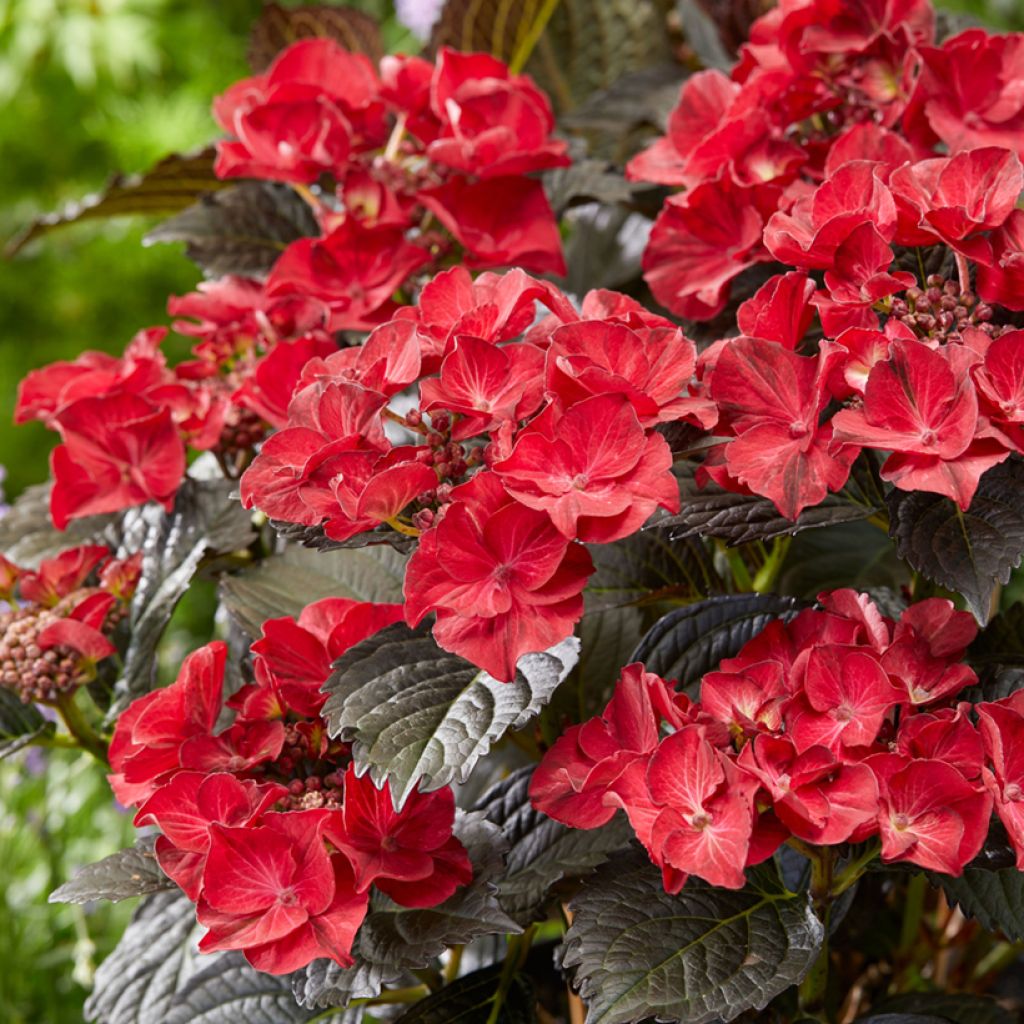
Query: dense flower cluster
[[838, 726], [821, 152], [61, 619], [264, 823], [425, 160], [519, 445]]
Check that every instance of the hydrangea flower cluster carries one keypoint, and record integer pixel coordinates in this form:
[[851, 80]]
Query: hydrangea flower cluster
[[525, 439], [264, 823], [427, 161], [61, 619], [837, 727]]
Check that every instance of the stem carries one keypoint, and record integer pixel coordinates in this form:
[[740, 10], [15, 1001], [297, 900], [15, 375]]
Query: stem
[[307, 194], [79, 727], [920, 266], [852, 872], [525, 48], [963, 273], [769, 572], [396, 524], [518, 949], [814, 987], [395, 140], [913, 910], [738, 568], [451, 969]]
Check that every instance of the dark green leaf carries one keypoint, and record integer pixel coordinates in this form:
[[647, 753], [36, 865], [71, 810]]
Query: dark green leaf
[[994, 683], [588, 180], [995, 898], [703, 37], [136, 983], [170, 185], [205, 521], [706, 954], [415, 713], [279, 27], [542, 851], [604, 246], [961, 1008], [314, 537], [284, 584], [970, 552], [394, 940], [902, 1018], [608, 637], [690, 641], [20, 724], [239, 230], [127, 873], [470, 1000], [227, 990], [1001, 642]]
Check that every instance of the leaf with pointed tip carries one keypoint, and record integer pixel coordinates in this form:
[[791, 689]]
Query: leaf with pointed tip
[[542, 851], [690, 641], [168, 186], [994, 898], [314, 537], [136, 983], [470, 1000], [239, 230], [1001, 642], [205, 521], [634, 951], [127, 873], [394, 940], [20, 724], [285, 583], [970, 552], [417, 714], [278, 27]]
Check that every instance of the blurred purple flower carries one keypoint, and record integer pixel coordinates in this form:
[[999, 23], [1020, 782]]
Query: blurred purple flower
[[418, 15]]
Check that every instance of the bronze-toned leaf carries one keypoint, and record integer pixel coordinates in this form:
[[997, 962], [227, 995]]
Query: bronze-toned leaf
[[279, 27]]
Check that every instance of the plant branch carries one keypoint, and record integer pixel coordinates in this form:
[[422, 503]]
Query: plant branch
[[80, 728], [813, 989]]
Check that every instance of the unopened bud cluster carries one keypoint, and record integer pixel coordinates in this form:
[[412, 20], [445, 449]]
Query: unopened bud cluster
[[941, 310], [33, 673]]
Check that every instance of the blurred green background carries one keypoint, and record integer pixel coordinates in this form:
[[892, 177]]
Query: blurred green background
[[89, 87]]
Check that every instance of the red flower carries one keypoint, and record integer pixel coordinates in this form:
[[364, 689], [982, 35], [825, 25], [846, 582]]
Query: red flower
[[315, 103], [188, 805], [571, 781], [819, 799], [411, 854], [502, 579], [594, 470], [1001, 272], [118, 451], [500, 222], [273, 892], [58, 576], [701, 240], [945, 735], [494, 123], [780, 310], [921, 405], [930, 814], [773, 399], [1002, 728], [747, 701], [149, 736], [354, 270]]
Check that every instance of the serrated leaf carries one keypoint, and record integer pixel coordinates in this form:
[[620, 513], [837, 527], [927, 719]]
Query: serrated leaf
[[136, 983], [970, 552], [961, 1008], [20, 724], [285, 583], [205, 521], [499, 27], [691, 641], [228, 990], [394, 940], [542, 851], [608, 637], [278, 27], [168, 186], [588, 180], [417, 714], [604, 247], [996, 682], [706, 954], [1001, 642], [995, 898], [470, 1000], [127, 873], [27, 534], [314, 537], [239, 230]]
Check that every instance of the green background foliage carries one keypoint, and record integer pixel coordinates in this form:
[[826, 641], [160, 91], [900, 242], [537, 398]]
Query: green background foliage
[[89, 87]]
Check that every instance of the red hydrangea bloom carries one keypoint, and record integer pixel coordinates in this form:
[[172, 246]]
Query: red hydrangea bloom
[[500, 222], [314, 104], [275, 893], [1000, 383], [1002, 726], [780, 310], [968, 93], [592, 469], [501, 578], [58, 576], [921, 405], [704, 238], [354, 270], [772, 399], [117, 451], [411, 854], [1000, 273]]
